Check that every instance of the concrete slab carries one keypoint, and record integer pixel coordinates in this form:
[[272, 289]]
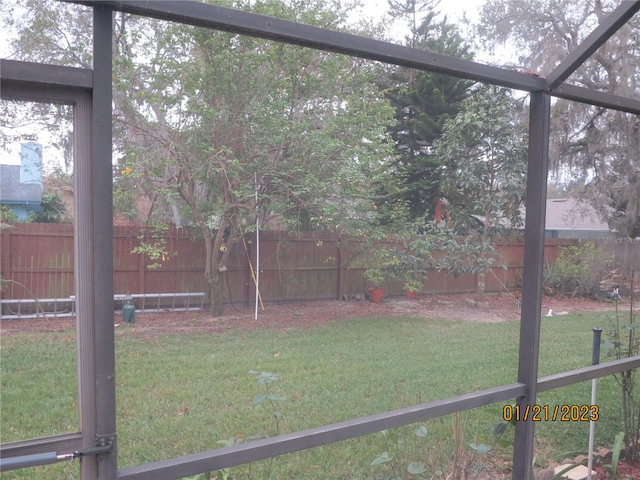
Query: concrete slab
[[578, 473]]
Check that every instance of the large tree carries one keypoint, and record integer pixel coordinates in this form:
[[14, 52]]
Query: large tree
[[206, 119], [483, 152], [423, 102], [596, 148]]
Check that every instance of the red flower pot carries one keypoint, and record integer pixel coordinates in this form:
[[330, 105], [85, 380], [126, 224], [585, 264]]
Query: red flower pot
[[411, 294], [376, 294]]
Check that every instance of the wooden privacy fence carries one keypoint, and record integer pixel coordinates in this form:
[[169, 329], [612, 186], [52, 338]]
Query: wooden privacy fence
[[38, 258]]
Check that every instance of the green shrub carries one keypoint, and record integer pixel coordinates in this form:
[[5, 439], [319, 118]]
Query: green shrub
[[7, 215], [53, 210], [578, 270]]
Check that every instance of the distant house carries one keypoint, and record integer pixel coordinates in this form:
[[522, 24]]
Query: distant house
[[21, 185], [568, 218]]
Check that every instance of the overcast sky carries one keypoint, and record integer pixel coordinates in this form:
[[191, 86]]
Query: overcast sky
[[452, 8]]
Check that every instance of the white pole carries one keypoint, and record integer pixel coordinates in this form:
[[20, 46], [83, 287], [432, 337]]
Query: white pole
[[257, 249], [592, 427], [595, 360]]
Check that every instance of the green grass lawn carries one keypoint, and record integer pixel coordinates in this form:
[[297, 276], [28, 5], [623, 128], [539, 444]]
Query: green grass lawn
[[186, 393]]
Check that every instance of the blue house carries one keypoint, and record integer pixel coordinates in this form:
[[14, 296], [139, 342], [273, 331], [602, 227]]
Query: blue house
[[21, 185]]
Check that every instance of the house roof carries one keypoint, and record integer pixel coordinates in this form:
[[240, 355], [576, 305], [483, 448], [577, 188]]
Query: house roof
[[570, 214], [11, 190]]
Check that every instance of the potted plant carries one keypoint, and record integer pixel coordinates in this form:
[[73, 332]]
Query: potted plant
[[411, 288], [382, 264], [375, 279], [413, 269]]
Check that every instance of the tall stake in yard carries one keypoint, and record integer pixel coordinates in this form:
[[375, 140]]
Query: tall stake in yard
[[595, 360], [256, 278]]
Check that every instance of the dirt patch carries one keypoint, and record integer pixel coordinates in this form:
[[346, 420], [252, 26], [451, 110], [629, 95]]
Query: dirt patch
[[496, 308], [626, 470]]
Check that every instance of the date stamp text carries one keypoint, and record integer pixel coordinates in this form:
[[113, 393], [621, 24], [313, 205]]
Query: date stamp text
[[553, 413]]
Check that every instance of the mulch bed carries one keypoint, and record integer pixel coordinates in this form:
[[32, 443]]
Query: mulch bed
[[626, 471], [496, 308]]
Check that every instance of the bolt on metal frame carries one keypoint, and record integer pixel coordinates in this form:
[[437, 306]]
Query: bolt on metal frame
[[90, 92]]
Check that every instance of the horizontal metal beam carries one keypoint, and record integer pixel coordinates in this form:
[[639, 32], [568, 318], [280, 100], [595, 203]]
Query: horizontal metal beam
[[35, 82], [54, 77], [587, 373], [594, 97], [595, 40], [69, 442], [322, 435], [293, 442], [246, 23]]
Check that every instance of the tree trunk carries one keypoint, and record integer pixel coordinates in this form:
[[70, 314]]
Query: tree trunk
[[213, 275], [216, 286], [480, 287]]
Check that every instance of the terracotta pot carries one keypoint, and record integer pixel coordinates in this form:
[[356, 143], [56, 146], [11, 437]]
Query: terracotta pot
[[411, 294], [376, 294]]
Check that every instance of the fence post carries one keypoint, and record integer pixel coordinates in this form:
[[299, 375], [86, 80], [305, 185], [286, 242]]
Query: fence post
[[141, 269]]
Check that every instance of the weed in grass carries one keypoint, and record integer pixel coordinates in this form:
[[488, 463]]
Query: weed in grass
[[410, 451], [273, 400], [265, 379], [404, 449]]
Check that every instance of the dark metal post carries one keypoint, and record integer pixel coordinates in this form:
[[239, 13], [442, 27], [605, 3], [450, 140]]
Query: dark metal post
[[595, 360], [103, 237], [94, 260], [595, 350], [538, 164]]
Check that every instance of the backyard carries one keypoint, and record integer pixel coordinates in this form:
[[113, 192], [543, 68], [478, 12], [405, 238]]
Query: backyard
[[187, 382]]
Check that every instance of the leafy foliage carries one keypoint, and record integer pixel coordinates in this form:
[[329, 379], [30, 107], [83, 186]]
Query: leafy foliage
[[287, 134], [153, 245], [578, 270], [483, 156], [483, 150], [215, 129], [622, 340], [53, 210], [594, 148], [7, 216], [423, 102], [404, 452]]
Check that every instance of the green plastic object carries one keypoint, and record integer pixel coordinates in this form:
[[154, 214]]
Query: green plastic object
[[128, 313]]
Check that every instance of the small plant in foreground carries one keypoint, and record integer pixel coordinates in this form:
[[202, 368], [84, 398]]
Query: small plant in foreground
[[402, 448], [615, 457], [623, 341], [264, 379], [407, 453], [205, 476], [611, 467], [273, 400]]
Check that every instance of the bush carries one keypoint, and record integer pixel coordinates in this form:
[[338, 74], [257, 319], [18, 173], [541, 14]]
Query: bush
[[578, 271], [7, 215], [53, 210]]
